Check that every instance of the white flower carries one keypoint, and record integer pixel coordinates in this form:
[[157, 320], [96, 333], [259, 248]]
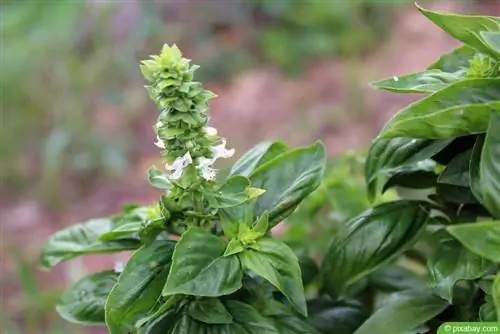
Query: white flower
[[119, 267], [219, 151], [158, 124], [211, 131], [205, 167], [160, 143], [395, 78], [178, 166]]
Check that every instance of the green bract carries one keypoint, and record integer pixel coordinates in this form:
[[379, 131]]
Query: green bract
[[414, 236]]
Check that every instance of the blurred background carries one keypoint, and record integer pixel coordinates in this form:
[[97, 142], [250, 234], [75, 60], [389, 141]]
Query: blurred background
[[77, 135]]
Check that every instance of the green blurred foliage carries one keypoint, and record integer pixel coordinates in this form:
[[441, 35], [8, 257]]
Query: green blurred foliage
[[341, 196]]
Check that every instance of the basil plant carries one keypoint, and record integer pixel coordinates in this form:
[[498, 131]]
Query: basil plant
[[204, 258]]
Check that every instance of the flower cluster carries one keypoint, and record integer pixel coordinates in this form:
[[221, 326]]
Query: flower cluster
[[182, 128]]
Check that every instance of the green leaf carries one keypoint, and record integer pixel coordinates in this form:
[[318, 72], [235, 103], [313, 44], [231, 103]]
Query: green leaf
[[339, 317], [474, 169], [388, 156], [489, 168], [210, 311], [480, 238], [236, 191], [288, 179], [372, 239], [249, 318], [403, 312], [454, 61], [460, 109], [122, 231], [200, 268], [457, 171], [393, 277], [139, 286], [496, 294], [418, 176], [256, 157], [450, 263], [158, 180], [276, 262], [233, 247], [492, 40], [160, 325], [308, 268], [465, 28], [82, 239], [428, 81], [83, 303], [487, 312], [261, 226]]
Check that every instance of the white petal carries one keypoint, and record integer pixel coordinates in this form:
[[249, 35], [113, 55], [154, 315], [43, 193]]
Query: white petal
[[159, 142], [220, 151], [178, 166], [211, 131], [158, 124], [395, 78], [119, 267], [205, 167]]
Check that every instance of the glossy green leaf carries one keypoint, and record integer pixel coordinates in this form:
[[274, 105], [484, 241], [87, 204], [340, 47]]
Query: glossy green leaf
[[454, 61], [256, 157], [404, 312], [82, 239], [158, 180], [236, 191], [496, 294], [392, 278], [83, 302], [418, 176], [339, 317], [460, 109], [288, 179], [481, 238], [122, 231], [275, 261], [487, 312], [308, 268], [465, 28], [292, 324], [139, 286], [234, 246], [457, 171], [160, 325], [489, 168], [249, 318], [387, 156], [452, 262], [210, 311], [474, 169], [492, 40], [428, 81], [372, 239], [200, 268]]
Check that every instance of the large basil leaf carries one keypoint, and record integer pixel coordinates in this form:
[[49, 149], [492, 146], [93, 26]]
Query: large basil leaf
[[82, 239], [466, 28], [158, 179], [457, 171], [235, 191], [387, 156], [460, 109], [288, 179], [455, 60], [250, 319], [394, 278], [210, 311], [139, 286], [257, 156], [339, 317], [83, 302], [199, 267], [275, 261], [489, 169], [403, 312], [421, 175], [474, 169], [492, 40], [496, 294], [452, 262], [480, 238], [428, 81], [370, 240]]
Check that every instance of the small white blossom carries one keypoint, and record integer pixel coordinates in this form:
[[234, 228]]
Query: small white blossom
[[205, 167], [211, 131], [119, 267], [178, 166], [220, 151], [395, 78], [158, 124], [160, 143]]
